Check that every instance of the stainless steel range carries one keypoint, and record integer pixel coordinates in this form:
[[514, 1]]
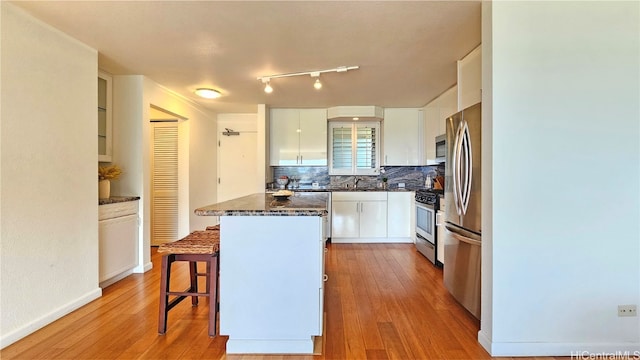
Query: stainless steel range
[[427, 204]]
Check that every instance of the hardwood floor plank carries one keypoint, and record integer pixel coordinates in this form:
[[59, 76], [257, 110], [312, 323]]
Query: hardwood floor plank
[[377, 354], [382, 301]]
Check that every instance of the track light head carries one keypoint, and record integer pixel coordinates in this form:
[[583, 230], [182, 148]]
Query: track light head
[[317, 84], [267, 87]]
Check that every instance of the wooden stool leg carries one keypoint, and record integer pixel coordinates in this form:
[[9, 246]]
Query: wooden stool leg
[[193, 271], [212, 271], [165, 276]]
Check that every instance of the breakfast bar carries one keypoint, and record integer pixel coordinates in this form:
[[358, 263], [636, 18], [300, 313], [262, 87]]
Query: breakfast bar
[[271, 271]]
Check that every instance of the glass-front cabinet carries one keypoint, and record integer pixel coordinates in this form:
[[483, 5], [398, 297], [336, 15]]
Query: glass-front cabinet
[[104, 117]]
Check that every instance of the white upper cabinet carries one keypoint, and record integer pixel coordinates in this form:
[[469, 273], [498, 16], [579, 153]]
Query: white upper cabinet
[[298, 137], [104, 117], [436, 113], [354, 148], [470, 79], [448, 105], [403, 130]]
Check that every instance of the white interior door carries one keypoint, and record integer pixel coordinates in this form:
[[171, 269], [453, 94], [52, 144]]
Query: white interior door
[[164, 183], [237, 165]]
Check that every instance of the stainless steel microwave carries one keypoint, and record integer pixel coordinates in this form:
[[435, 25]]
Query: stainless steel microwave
[[441, 148]]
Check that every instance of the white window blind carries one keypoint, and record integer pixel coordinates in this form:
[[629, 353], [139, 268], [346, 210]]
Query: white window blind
[[342, 144], [366, 147], [164, 200], [354, 148]]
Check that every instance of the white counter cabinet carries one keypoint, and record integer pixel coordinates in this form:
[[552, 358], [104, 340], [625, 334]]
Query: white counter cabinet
[[358, 216], [399, 215], [118, 241], [271, 283]]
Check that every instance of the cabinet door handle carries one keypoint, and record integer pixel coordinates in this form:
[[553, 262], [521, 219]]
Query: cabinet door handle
[[300, 159]]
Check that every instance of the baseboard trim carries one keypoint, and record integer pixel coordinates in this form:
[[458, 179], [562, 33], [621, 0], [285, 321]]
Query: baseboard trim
[[143, 269], [15, 335], [337, 240], [574, 350]]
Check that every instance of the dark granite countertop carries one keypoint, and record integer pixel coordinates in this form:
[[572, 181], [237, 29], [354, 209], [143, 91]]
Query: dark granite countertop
[[300, 204], [117, 199], [331, 189]]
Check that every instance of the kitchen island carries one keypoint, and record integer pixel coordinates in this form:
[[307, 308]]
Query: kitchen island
[[271, 272]]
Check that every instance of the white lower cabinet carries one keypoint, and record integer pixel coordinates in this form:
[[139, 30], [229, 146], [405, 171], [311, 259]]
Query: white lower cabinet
[[118, 241], [399, 212], [271, 283], [359, 217]]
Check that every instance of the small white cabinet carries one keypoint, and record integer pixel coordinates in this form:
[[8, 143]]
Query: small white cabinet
[[104, 117], [298, 137], [402, 131], [470, 79], [436, 113], [399, 212], [118, 240], [358, 216]]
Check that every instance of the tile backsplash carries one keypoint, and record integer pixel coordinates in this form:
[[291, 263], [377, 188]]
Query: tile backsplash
[[412, 176]]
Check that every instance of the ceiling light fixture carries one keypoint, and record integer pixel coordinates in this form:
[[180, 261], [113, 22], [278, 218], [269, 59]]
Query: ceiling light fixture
[[208, 93], [267, 87], [316, 74]]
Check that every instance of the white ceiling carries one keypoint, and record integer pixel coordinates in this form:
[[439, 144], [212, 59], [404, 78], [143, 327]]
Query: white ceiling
[[406, 51]]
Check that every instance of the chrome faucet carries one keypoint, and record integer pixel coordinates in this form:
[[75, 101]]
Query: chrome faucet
[[356, 180]]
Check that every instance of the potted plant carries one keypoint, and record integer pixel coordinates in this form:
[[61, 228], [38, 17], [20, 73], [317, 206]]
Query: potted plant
[[384, 182], [105, 175]]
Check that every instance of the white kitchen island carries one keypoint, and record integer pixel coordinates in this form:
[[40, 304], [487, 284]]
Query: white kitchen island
[[271, 272]]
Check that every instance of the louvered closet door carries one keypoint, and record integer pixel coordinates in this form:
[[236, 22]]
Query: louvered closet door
[[164, 184]]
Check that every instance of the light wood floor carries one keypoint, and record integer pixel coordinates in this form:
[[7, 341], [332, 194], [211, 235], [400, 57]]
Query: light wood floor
[[383, 301]]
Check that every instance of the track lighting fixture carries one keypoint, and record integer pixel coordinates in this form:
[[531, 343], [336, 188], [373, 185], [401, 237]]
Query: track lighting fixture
[[316, 74]]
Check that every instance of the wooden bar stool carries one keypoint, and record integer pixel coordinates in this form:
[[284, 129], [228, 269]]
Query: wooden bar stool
[[199, 246]]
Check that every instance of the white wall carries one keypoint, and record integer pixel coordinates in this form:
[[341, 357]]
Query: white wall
[[202, 170], [133, 97], [564, 145], [49, 224]]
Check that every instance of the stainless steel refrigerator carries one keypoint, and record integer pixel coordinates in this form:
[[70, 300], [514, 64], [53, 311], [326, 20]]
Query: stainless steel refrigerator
[[463, 233]]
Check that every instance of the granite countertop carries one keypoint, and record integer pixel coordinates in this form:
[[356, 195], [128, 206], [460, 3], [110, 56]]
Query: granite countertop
[[300, 204], [336, 188], [117, 199]]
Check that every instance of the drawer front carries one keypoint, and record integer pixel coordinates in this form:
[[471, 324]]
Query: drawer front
[[359, 196], [110, 211]]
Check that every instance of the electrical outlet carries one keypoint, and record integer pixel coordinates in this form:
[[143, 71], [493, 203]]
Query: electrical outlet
[[627, 310], [401, 185]]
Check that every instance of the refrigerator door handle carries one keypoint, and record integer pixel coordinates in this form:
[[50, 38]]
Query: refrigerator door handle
[[457, 170], [468, 158], [462, 238]]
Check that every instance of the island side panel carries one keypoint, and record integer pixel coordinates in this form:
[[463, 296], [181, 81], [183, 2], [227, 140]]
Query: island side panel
[[270, 283]]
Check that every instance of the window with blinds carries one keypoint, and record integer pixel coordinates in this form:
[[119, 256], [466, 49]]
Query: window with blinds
[[354, 148]]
